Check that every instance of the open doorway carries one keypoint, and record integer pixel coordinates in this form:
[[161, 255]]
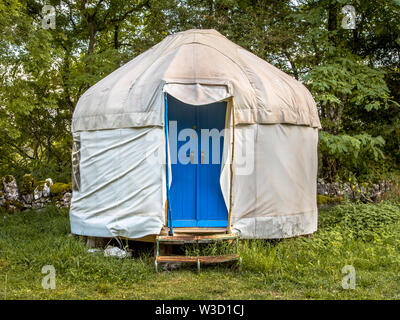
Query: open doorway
[[196, 146]]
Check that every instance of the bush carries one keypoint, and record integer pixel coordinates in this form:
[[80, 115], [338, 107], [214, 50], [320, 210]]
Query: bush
[[59, 188], [344, 155], [362, 221], [326, 200], [28, 184]]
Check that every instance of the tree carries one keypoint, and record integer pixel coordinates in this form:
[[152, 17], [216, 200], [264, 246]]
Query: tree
[[352, 74]]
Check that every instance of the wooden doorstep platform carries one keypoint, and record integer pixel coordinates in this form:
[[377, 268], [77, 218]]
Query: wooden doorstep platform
[[183, 230], [182, 239]]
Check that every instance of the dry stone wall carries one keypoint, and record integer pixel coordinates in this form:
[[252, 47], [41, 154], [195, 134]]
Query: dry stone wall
[[33, 194], [36, 194]]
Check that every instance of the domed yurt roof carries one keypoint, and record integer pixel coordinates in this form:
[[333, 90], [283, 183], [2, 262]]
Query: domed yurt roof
[[197, 67]]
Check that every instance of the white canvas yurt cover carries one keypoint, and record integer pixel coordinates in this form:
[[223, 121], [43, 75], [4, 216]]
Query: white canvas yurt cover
[[269, 161]]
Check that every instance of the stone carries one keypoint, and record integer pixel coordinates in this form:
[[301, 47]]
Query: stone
[[27, 198], [32, 195], [37, 193], [2, 198], [10, 188], [67, 199], [46, 187], [37, 205], [365, 191]]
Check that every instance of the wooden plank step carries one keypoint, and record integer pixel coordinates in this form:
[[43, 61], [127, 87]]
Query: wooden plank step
[[195, 259], [196, 230], [196, 238]]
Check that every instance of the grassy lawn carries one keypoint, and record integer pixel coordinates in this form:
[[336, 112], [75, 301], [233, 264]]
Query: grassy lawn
[[364, 236]]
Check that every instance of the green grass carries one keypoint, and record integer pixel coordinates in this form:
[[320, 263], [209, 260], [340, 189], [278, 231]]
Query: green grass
[[364, 236]]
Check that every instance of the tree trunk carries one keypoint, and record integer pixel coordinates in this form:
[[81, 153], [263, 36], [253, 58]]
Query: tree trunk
[[116, 43], [92, 35], [332, 21]]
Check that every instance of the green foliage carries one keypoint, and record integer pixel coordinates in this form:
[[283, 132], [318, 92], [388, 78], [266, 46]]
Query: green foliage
[[59, 188], [362, 220], [353, 146], [27, 185], [40, 184], [8, 178], [210, 249], [348, 74], [352, 74], [366, 222], [326, 200], [344, 155], [346, 80]]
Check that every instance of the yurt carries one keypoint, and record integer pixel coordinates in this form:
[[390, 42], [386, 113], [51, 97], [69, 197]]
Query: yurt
[[195, 135]]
